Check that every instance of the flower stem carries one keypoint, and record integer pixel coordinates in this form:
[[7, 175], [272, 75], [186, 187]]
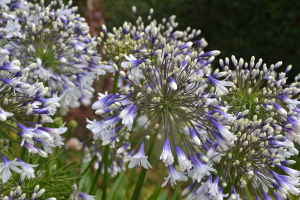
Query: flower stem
[[105, 179], [94, 184], [116, 79], [87, 168], [106, 152], [139, 183]]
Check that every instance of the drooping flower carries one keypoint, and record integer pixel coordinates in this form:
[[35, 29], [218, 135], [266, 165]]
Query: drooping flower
[[27, 168], [8, 165], [139, 159], [174, 176], [166, 155]]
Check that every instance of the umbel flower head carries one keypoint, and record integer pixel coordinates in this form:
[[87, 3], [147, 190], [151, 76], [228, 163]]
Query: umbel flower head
[[258, 90], [144, 40], [258, 160], [171, 95], [55, 42], [20, 101]]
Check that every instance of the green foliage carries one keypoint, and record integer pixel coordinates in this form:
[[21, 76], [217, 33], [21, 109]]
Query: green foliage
[[53, 176]]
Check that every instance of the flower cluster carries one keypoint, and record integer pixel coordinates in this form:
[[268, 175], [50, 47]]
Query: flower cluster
[[263, 94], [256, 160], [23, 111], [239, 131], [144, 40], [55, 42], [168, 88]]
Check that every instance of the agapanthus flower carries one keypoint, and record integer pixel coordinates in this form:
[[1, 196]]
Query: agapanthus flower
[[139, 159], [174, 176], [23, 112], [171, 93], [55, 42], [8, 165], [258, 160], [132, 43], [258, 90]]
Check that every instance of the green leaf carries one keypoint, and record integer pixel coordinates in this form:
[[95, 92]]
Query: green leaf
[[164, 195], [120, 194], [98, 194], [119, 183], [176, 191], [156, 193], [85, 182]]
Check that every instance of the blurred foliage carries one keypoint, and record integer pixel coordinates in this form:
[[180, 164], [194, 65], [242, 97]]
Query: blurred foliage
[[266, 29]]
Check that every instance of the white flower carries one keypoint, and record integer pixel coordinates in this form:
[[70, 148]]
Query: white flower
[[27, 169], [175, 176], [199, 170], [13, 29], [166, 155], [139, 159], [8, 165], [4, 114]]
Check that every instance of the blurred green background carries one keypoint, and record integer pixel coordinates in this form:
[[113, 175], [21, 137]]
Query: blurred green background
[[266, 29]]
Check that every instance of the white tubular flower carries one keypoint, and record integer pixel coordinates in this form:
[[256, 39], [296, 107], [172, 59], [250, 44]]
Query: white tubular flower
[[139, 159], [8, 165], [174, 176]]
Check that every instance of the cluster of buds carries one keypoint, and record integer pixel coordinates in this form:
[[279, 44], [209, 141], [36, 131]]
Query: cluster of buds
[[253, 162], [16, 192], [258, 90], [145, 40]]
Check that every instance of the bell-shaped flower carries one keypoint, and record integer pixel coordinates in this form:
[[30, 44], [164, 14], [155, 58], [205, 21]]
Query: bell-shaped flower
[[166, 155], [184, 163], [8, 165], [174, 176], [199, 170], [139, 159], [27, 169]]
